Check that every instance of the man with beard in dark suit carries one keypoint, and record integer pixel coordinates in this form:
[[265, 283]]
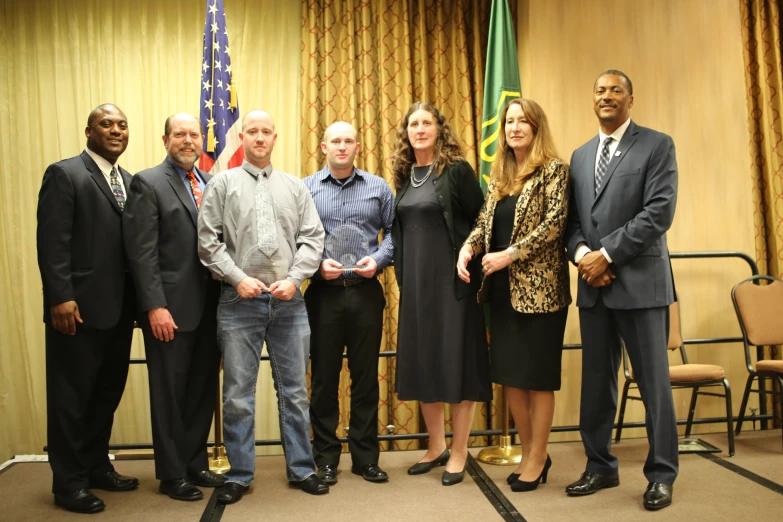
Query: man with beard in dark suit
[[88, 310], [178, 302]]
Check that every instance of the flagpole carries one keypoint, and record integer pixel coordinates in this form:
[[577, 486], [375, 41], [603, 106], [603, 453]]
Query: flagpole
[[501, 83], [219, 462]]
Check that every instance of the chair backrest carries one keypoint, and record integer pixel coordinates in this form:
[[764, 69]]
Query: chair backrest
[[760, 310], [675, 331]]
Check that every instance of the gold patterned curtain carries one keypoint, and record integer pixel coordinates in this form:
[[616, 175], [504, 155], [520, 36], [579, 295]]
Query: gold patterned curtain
[[365, 62], [761, 31]]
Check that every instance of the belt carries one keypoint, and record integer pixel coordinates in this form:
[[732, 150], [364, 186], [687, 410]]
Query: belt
[[340, 282]]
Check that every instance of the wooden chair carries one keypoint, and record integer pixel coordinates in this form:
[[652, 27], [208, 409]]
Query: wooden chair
[[760, 314], [685, 375]]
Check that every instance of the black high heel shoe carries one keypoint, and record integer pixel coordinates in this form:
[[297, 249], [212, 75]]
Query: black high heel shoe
[[521, 485], [425, 467], [512, 478]]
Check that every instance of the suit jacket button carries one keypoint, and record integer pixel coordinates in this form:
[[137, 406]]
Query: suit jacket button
[[595, 223]]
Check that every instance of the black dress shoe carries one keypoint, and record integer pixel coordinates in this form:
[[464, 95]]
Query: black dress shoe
[[589, 483], [113, 481], [180, 489], [449, 479], [80, 501], [230, 492], [370, 473], [425, 467], [206, 479], [328, 474], [657, 496], [312, 485]]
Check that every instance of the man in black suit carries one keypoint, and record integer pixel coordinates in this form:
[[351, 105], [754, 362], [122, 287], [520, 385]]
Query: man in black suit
[[88, 310], [624, 194], [178, 302]]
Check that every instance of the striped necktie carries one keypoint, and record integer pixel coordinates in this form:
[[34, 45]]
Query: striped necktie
[[603, 164]]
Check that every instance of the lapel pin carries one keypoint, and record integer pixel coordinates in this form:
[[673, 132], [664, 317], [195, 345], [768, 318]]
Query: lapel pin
[[617, 153]]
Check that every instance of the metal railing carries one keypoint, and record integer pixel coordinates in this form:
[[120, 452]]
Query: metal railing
[[763, 416]]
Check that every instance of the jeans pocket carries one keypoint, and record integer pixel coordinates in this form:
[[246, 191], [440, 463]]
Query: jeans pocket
[[229, 295]]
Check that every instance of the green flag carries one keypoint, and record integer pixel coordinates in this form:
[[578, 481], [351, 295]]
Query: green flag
[[501, 83]]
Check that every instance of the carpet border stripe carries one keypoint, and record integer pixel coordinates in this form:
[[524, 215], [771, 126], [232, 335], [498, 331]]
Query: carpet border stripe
[[745, 473], [499, 501]]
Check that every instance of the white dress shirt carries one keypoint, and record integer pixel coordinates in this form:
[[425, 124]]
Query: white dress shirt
[[106, 167]]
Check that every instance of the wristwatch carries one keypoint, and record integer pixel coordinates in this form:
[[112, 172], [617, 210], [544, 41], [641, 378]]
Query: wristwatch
[[512, 252]]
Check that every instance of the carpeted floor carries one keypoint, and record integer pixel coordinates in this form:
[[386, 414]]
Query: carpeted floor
[[749, 485]]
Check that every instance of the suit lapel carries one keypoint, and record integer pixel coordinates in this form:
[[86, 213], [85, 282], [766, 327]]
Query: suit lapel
[[100, 180], [619, 155], [179, 189]]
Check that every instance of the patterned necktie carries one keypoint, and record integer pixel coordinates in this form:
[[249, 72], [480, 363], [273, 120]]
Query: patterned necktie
[[603, 163], [116, 188], [195, 189], [266, 227]]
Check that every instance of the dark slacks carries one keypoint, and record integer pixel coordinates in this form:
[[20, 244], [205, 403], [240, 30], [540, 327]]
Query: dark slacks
[[183, 376], [645, 332], [85, 379], [345, 317]]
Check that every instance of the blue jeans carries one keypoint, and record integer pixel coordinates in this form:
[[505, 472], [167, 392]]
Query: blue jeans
[[243, 326]]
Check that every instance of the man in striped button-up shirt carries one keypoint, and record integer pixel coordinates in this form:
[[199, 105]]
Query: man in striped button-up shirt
[[345, 307]]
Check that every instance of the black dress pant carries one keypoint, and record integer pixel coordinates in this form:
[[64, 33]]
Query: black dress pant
[[183, 376], [345, 317], [85, 379]]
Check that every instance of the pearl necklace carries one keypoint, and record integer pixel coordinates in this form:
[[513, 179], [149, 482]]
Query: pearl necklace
[[418, 183]]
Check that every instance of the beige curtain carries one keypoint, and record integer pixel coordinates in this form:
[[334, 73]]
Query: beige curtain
[[61, 58], [761, 31], [365, 63]]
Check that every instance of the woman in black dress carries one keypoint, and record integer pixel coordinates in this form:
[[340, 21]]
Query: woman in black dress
[[442, 348], [526, 282]]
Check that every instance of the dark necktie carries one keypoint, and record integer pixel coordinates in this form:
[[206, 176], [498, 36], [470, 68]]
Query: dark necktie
[[603, 164], [116, 188], [195, 189]]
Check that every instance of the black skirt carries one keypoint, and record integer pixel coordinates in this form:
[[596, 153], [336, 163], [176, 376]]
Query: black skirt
[[525, 349]]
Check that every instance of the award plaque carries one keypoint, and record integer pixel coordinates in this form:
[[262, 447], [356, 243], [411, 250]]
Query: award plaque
[[347, 245], [258, 265]]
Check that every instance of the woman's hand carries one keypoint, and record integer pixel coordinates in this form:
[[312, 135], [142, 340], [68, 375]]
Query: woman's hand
[[495, 261], [465, 255]]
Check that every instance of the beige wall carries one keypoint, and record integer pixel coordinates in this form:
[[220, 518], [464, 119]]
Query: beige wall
[[685, 61]]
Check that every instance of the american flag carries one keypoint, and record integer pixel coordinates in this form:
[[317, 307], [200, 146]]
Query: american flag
[[220, 120]]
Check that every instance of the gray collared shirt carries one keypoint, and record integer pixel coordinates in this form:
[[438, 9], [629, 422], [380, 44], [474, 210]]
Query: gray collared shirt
[[227, 224]]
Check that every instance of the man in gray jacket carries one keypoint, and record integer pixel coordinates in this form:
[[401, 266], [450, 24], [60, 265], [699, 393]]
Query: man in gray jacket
[[624, 193]]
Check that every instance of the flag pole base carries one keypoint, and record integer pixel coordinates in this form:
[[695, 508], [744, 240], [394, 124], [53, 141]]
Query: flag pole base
[[503, 454], [218, 463]]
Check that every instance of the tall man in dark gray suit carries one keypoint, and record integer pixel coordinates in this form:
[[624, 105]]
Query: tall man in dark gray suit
[[624, 184], [88, 310], [178, 302]]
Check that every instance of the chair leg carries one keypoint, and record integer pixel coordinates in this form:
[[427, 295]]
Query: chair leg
[[729, 417], [691, 411], [780, 390], [741, 418], [623, 402]]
